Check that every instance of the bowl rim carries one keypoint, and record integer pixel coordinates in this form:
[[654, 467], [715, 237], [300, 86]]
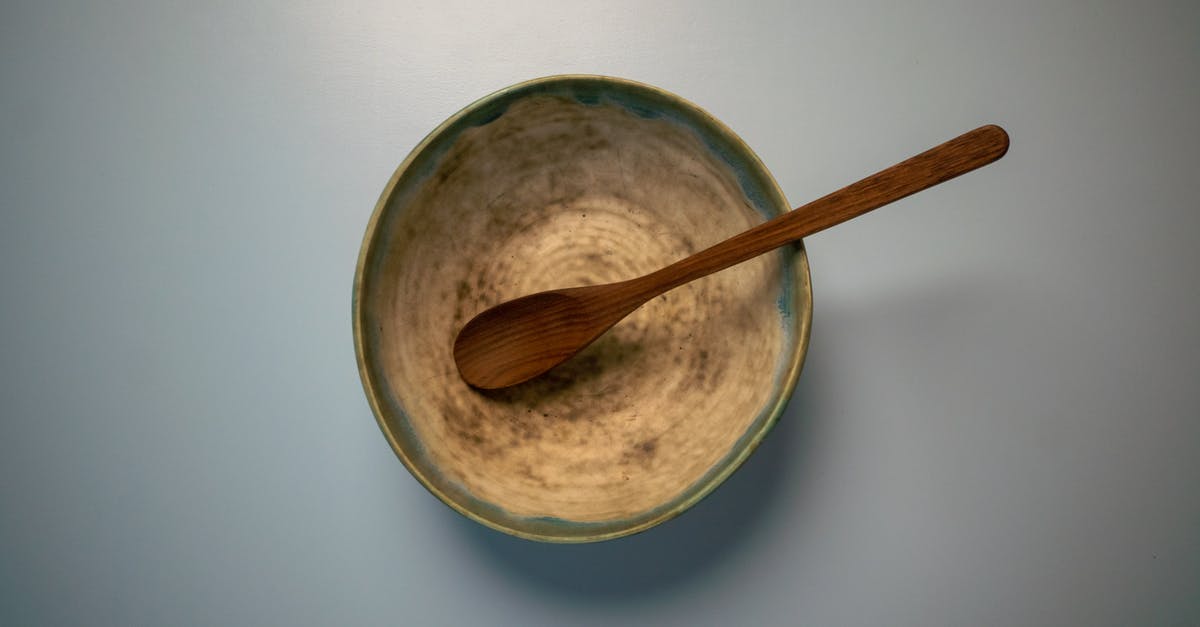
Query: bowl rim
[[801, 290]]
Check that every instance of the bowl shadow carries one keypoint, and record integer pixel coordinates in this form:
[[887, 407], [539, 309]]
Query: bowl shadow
[[666, 557]]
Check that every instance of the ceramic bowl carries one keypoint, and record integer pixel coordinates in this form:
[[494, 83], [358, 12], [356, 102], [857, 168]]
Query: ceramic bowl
[[557, 182]]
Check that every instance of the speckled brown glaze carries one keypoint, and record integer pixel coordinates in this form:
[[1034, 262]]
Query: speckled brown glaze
[[554, 194]]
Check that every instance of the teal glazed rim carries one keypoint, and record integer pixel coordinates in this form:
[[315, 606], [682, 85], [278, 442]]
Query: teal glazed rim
[[761, 191]]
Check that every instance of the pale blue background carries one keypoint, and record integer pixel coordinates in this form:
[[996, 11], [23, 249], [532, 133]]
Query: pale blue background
[[998, 423]]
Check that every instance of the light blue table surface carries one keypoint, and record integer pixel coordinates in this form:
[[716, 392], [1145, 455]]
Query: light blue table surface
[[998, 422]]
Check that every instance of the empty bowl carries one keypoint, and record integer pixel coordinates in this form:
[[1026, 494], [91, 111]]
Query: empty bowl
[[557, 182]]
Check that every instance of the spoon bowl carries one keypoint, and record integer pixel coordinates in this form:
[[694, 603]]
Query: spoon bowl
[[527, 333]]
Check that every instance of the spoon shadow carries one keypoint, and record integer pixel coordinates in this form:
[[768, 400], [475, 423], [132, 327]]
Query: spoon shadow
[[608, 352]]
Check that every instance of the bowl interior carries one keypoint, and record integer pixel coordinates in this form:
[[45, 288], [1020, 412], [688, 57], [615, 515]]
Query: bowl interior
[[575, 181]]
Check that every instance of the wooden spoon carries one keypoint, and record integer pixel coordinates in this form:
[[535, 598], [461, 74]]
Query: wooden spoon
[[523, 338]]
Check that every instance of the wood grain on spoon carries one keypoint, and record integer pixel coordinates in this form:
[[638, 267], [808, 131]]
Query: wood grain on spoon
[[520, 339]]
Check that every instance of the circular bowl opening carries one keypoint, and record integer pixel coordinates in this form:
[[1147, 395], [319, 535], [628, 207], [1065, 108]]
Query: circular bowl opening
[[557, 182]]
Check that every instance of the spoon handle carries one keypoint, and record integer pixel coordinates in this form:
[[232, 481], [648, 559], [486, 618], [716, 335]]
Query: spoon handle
[[971, 150]]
